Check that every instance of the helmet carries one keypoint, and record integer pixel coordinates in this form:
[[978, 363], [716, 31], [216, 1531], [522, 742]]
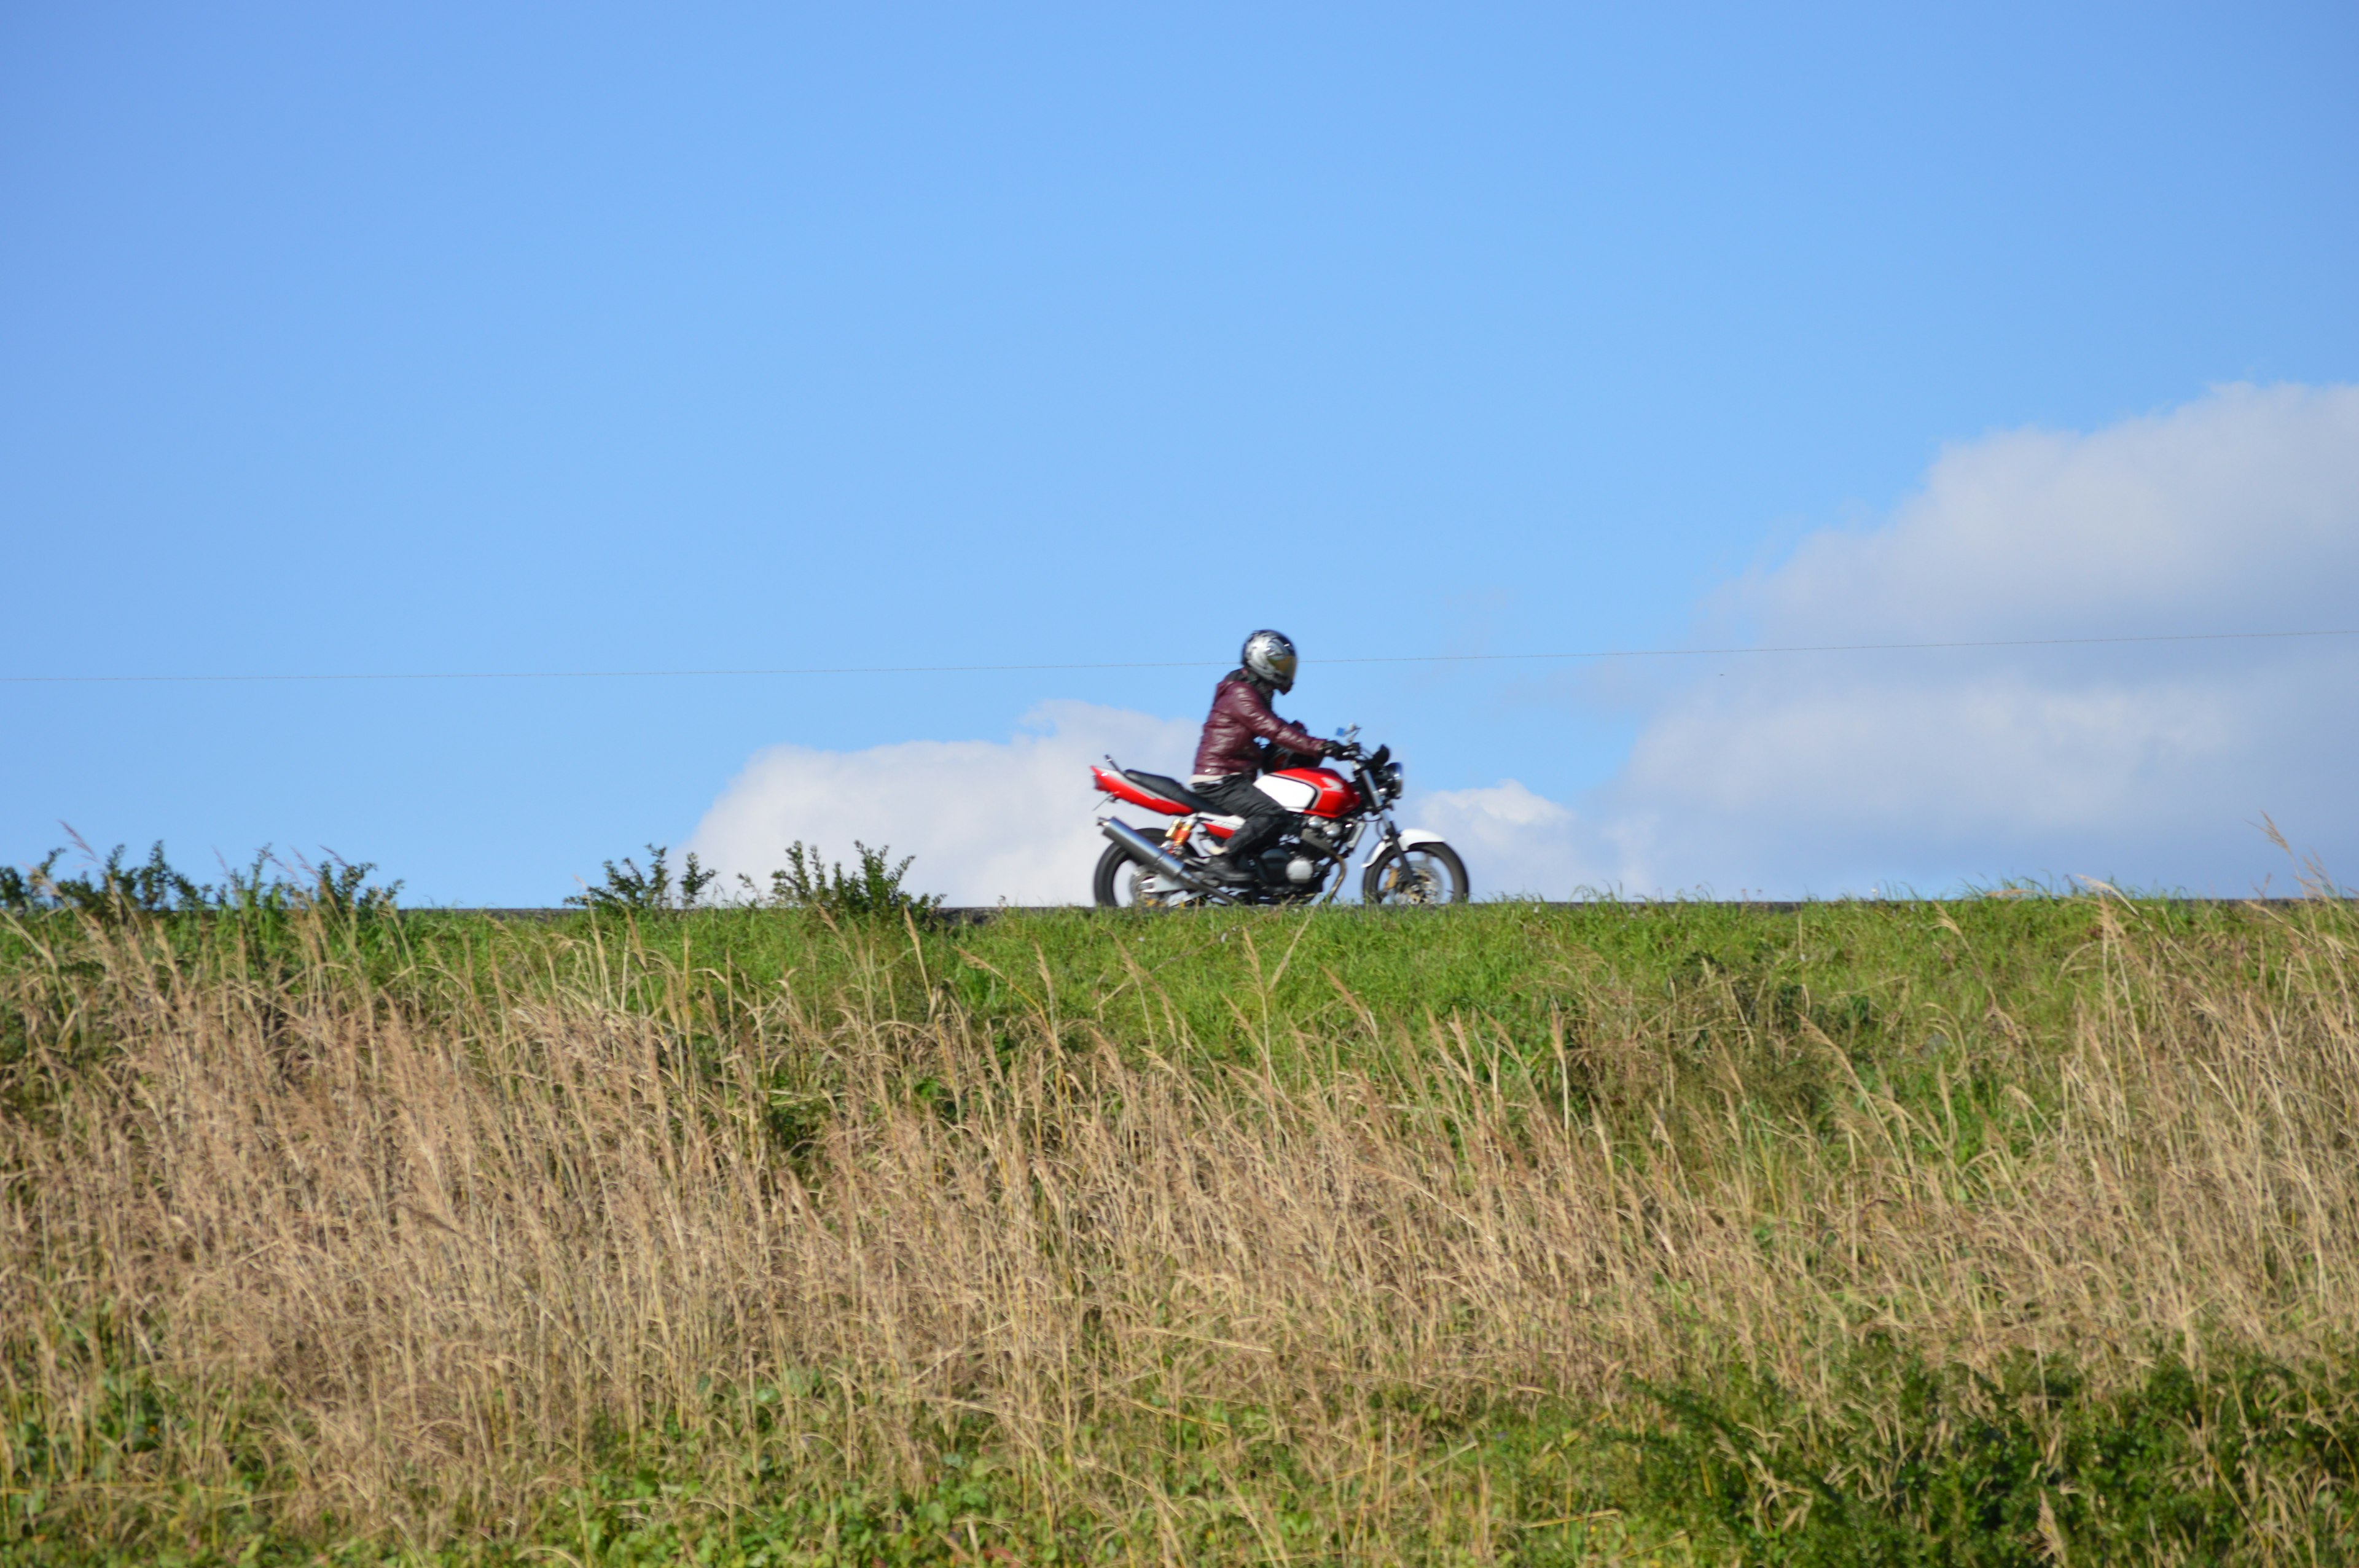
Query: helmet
[[1269, 656]]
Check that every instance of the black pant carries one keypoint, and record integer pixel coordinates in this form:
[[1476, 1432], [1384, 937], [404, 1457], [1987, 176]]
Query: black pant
[[1265, 818]]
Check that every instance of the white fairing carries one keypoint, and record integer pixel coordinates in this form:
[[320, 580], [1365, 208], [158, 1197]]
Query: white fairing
[[1291, 793], [1412, 837]]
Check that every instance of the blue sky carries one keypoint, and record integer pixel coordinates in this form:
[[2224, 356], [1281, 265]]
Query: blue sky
[[538, 338]]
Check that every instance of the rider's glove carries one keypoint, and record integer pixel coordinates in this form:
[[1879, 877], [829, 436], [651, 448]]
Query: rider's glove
[[1340, 748]]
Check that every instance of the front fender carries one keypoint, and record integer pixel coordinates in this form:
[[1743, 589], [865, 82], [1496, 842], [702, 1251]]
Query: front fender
[[1412, 837]]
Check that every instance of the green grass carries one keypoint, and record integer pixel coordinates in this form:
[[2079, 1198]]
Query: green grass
[[1715, 1051], [1863, 971]]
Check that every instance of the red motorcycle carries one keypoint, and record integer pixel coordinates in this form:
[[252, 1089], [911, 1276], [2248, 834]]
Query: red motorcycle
[[1161, 866]]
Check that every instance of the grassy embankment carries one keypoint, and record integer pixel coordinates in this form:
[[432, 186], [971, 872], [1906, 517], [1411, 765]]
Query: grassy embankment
[[1998, 1232]]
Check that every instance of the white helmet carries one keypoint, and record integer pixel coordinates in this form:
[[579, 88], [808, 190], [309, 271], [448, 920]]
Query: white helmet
[[1269, 656]]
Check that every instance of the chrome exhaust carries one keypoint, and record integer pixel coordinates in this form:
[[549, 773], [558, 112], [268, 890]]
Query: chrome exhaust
[[1147, 851]]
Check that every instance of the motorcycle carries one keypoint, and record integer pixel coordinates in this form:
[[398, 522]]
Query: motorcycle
[[1161, 866]]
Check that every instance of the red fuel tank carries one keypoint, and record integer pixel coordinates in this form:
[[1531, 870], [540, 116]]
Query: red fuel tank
[[1314, 792]]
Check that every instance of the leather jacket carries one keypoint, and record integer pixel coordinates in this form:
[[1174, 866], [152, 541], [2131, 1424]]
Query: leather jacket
[[1239, 724]]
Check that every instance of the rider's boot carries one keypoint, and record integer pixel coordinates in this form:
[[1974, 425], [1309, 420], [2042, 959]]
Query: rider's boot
[[1225, 868]]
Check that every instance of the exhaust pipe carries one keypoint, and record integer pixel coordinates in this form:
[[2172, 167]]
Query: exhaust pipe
[[1147, 850]]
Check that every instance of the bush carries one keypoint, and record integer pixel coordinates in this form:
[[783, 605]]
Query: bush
[[112, 890], [807, 882], [628, 888]]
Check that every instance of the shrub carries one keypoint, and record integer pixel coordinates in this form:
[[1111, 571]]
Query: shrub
[[112, 890], [628, 888], [807, 882]]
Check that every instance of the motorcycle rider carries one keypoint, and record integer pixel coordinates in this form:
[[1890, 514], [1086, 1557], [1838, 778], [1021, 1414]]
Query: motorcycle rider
[[1242, 739]]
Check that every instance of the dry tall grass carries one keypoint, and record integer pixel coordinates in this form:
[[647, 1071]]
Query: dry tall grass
[[430, 1264]]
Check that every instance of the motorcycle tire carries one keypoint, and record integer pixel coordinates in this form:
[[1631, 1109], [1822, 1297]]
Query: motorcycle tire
[[1117, 883], [1429, 873]]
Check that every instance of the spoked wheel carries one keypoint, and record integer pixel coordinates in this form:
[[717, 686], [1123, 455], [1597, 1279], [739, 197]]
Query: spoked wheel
[[1124, 883], [1423, 873]]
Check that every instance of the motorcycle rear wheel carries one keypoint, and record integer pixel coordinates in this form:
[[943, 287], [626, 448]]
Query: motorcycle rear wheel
[[1423, 873], [1123, 883]]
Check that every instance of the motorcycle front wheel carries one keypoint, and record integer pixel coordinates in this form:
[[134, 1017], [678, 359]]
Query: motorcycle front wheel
[[1124, 883], [1423, 873]]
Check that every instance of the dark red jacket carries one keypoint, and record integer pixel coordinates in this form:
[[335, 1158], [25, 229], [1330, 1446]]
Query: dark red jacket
[[1240, 722]]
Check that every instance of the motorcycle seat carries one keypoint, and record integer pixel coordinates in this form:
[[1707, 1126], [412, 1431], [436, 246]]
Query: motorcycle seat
[[1170, 789]]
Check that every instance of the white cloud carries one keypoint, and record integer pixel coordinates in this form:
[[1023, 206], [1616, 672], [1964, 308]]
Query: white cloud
[[987, 819], [2236, 513], [2236, 510], [1513, 840]]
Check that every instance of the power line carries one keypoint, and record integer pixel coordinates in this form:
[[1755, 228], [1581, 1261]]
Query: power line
[[1167, 664]]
